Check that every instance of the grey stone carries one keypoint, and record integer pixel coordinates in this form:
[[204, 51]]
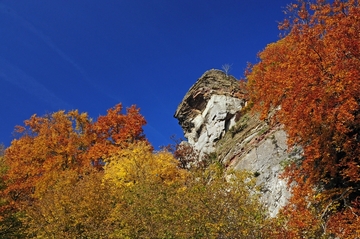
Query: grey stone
[[210, 117]]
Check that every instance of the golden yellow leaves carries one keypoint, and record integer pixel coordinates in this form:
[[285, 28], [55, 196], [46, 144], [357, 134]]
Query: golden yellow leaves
[[137, 164], [164, 203], [73, 207]]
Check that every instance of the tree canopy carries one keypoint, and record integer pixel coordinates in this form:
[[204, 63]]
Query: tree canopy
[[66, 176], [312, 75], [60, 142]]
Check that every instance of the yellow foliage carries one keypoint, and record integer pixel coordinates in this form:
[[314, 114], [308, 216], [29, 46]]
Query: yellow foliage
[[138, 163], [162, 203], [74, 207]]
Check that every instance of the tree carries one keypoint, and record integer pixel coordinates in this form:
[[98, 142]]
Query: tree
[[155, 198], [220, 204], [73, 207], [62, 143], [226, 68], [142, 181], [313, 75], [133, 192], [47, 146], [10, 219], [138, 164], [115, 131]]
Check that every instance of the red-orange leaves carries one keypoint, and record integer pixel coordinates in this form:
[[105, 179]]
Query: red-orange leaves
[[313, 73], [116, 130], [120, 128], [345, 224], [50, 145]]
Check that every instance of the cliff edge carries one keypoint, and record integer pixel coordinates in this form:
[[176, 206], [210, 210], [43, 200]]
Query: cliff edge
[[213, 119], [209, 109]]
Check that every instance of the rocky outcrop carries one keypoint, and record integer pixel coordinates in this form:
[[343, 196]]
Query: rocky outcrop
[[253, 146], [212, 117], [209, 109]]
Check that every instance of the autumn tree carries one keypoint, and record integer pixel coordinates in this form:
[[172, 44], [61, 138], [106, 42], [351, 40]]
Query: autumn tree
[[72, 207], [138, 163], [50, 149], [114, 131], [222, 204], [157, 198], [46, 147], [312, 74], [187, 156], [10, 218], [142, 180]]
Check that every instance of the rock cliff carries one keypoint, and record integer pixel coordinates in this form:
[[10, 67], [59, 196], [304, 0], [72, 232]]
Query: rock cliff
[[214, 121], [209, 109]]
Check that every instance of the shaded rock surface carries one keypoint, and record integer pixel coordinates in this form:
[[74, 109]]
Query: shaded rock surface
[[213, 121]]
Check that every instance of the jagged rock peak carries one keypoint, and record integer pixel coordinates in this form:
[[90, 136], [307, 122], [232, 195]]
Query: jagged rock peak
[[210, 83], [209, 109]]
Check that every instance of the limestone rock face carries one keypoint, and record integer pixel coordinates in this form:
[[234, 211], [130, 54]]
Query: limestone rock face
[[213, 122], [265, 161], [263, 151], [209, 109]]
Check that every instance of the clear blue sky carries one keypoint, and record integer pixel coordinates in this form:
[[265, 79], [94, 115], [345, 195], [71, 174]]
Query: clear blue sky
[[90, 54]]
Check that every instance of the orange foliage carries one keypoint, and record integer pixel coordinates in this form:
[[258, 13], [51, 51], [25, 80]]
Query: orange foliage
[[51, 145], [313, 74], [345, 224], [115, 131]]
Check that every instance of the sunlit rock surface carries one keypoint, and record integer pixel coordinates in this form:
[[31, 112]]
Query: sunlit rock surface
[[209, 110], [213, 121]]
